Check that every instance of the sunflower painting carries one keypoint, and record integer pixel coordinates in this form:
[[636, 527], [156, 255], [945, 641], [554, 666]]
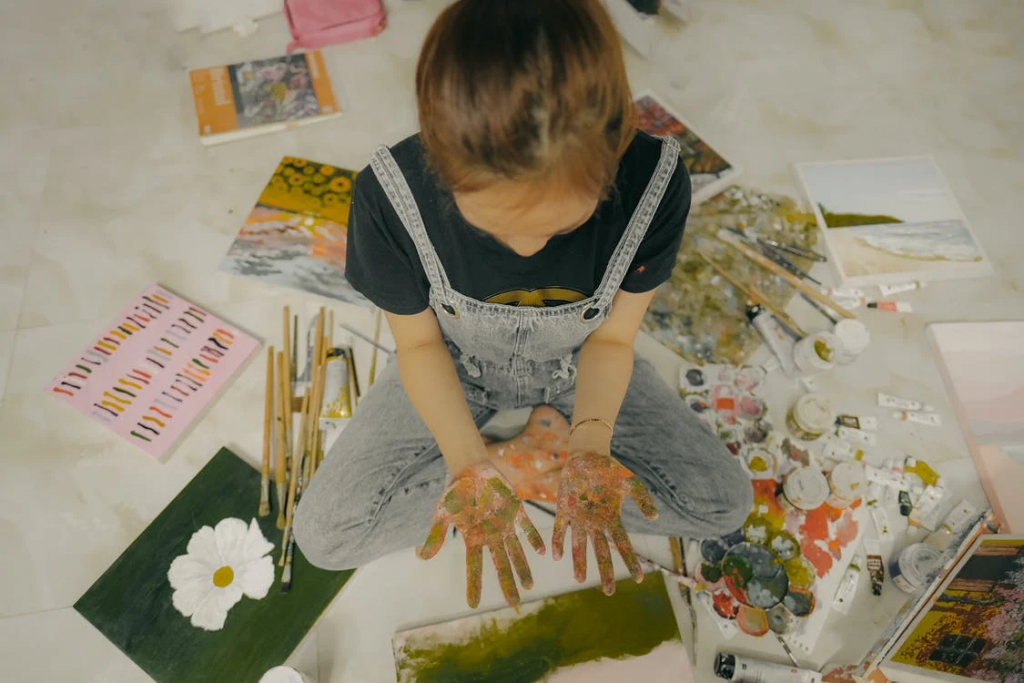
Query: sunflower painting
[[296, 234]]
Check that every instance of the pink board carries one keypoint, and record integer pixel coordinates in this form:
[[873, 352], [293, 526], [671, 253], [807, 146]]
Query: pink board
[[154, 370]]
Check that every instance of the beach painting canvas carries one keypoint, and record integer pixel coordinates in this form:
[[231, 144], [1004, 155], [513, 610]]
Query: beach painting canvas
[[296, 235], [581, 637], [891, 220], [710, 172]]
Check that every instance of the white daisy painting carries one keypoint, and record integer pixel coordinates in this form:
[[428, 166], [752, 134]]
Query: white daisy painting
[[221, 564]]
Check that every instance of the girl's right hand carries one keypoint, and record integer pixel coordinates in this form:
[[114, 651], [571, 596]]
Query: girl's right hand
[[482, 505]]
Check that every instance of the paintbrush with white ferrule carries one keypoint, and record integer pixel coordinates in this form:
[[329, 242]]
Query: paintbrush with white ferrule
[[268, 417]]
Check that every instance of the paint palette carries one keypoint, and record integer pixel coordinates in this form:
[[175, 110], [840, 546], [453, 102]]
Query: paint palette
[[152, 372]]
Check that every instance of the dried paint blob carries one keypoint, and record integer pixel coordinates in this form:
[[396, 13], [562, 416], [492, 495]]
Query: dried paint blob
[[781, 620], [757, 530], [767, 592], [735, 538], [785, 545], [799, 601], [752, 620], [694, 377], [761, 463], [710, 573], [713, 550], [725, 606], [698, 404], [800, 571], [758, 432], [752, 407]]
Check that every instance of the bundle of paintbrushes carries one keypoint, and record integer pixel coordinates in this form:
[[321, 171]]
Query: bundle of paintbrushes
[[329, 390]]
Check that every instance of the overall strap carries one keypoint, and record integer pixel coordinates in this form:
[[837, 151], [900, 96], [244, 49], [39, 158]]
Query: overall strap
[[625, 252], [397, 190]]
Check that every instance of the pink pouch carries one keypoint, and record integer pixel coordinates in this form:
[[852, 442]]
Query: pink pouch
[[318, 23]]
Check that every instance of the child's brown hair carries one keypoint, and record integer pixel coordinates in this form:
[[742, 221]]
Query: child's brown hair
[[524, 90]]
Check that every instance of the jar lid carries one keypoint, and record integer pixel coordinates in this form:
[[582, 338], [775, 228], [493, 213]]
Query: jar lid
[[853, 334], [806, 488], [848, 480], [814, 413]]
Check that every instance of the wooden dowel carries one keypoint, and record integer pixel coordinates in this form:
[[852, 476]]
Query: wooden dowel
[[755, 295], [281, 463], [734, 242], [287, 377], [268, 417]]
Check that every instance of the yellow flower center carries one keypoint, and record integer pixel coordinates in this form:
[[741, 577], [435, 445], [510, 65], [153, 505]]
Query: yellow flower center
[[223, 577]]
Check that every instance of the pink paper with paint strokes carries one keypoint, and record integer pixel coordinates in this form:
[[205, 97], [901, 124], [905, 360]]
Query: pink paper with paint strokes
[[154, 369]]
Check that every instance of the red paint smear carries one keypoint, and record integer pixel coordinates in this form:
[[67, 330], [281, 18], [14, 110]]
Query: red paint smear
[[819, 558], [764, 494], [815, 526], [725, 606], [63, 391], [846, 531]]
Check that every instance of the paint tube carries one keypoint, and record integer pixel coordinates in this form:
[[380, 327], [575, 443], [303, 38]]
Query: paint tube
[[850, 301], [906, 507], [955, 523], [887, 401], [880, 517], [847, 589], [927, 512], [857, 436], [732, 667], [843, 292], [892, 306], [837, 449], [875, 565], [780, 343], [900, 287], [864, 423], [337, 401], [930, 419], [922, 471], [884, 477]]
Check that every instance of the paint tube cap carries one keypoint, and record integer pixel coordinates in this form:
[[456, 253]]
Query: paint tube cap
[[285, 674], [725, 665]]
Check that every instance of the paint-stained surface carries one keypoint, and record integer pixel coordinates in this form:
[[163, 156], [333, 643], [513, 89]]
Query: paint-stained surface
[[131, 603], [296, 235], [574, 637], [153, 371]]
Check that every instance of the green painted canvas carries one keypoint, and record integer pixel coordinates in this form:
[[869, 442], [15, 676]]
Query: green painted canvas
[[131, 604], [576, 637]]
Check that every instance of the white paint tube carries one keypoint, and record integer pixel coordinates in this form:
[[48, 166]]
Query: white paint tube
[[927, 512], [955, 523], [884, 477], [732, 667], [847, 589], [888, 290], [844, 292], [867, 423], [850, 301], [857, 436], [780, 343], [930, 419], [880, 518], [887, 401], [837, 449]]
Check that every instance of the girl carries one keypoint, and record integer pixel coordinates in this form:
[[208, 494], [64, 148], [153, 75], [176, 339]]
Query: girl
[[515, 244]]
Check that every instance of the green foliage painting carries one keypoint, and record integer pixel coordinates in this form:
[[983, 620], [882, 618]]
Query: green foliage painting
[[849, 220]]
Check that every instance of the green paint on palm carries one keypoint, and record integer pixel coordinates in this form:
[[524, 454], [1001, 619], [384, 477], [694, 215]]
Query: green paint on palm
[[565, 631], [131, 603]]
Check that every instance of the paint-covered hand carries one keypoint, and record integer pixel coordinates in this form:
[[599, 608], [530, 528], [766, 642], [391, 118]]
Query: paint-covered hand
[[481, 504], [590, 497]]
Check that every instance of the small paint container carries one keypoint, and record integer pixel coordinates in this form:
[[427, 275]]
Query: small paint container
[[781, 620], [285, 674], [854, 339], [847, 484], [911, 569], [804, 489], [761, 463], [810, 417], [817, 352]]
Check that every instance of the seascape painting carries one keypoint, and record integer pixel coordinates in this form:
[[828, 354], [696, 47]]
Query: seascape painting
[[710, 173], [891, 220], [296, 234], [578, 637], [974, 628]]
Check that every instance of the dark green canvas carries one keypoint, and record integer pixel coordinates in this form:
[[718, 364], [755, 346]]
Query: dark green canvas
[[131, 603]]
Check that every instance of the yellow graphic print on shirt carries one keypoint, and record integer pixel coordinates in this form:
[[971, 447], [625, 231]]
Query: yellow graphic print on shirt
[[546, 296]]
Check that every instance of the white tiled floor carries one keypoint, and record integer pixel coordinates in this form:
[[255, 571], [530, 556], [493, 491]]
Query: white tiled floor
[[104, 188]]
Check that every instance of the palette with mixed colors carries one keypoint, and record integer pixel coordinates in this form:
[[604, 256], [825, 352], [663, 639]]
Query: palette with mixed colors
[[698, 314]]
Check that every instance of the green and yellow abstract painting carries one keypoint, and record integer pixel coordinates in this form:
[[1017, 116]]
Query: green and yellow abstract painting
[[581, 636]]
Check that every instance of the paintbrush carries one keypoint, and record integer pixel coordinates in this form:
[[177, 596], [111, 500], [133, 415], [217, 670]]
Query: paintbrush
[[268, 416], [755, 294], [366, 339], [812, 292], [791, 249], [287, 377], [781, 260], [376, 342], [300, 455], [281, 464]]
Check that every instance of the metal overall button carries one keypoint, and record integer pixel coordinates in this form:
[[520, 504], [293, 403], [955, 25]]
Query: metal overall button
[[589, 314], [450, 310]]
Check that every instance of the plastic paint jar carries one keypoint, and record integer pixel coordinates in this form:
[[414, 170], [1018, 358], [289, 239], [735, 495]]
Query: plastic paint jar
[[804, 489], [847, 484], [817, 352], [853, 337], [810, 417], [285, 674], [911, 569]]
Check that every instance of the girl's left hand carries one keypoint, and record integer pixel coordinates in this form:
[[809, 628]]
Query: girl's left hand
[[590, 497]]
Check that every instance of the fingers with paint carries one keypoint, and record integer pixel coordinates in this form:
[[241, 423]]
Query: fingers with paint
[[590, 496], [481, 504]]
